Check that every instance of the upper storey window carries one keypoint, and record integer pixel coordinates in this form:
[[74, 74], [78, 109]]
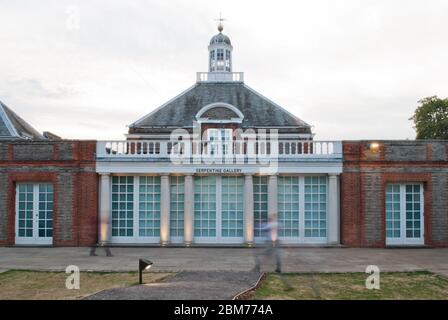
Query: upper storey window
[[220, 59], [220, 56], [219, 141]]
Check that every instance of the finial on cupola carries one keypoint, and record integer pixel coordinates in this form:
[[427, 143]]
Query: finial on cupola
[[220, 25]]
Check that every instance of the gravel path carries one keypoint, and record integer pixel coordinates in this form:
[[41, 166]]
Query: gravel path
[[205, 285]]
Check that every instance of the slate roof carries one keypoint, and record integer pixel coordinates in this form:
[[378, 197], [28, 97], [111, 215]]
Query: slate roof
[[14, 127], [220, 38], [258, 111]]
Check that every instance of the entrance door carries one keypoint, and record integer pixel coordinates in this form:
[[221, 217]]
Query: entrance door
[[219, 209], [404, 214], [34, 213]]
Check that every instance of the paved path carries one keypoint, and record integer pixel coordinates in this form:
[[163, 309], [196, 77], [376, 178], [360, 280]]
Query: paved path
[[205, 285], [226, 259]]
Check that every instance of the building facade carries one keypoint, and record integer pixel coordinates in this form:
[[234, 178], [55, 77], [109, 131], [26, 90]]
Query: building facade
[[212, 166]]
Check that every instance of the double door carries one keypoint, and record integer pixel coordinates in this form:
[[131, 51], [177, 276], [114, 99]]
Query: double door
[[34, 214], [404, 214]]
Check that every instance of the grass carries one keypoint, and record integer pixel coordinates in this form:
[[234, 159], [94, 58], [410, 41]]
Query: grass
[[37, 285], [351, 286]]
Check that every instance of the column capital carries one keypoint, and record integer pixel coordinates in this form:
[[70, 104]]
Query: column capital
[[333, 175], [104, 174]]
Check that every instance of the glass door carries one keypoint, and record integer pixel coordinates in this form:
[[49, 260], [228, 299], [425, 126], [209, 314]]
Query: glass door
[[404, 214], [34, 213], [232, 209], [205, 209], [218, 209]]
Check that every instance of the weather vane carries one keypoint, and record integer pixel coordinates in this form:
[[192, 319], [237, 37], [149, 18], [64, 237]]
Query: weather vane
[[220, 20]]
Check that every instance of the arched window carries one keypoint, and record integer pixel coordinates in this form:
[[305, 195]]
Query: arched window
[[219, 112]]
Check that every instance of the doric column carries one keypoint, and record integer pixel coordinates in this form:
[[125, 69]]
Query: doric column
[[248, 210], [333, 210], [272, 201], [164, 209], [188, 210], [104, 225]]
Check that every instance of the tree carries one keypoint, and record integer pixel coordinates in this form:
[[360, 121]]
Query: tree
[[431, 118]]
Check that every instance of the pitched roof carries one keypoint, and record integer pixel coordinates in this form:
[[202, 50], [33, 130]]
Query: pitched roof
[[258, 111], [14, 127]]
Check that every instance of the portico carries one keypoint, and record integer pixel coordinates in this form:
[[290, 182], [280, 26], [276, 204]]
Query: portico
[[218, 204]]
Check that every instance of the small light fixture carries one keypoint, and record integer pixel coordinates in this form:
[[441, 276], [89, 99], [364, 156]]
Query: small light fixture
[[143, 264], [374, 146]]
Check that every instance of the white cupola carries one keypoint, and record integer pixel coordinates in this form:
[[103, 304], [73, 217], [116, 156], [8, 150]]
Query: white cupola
[[220, 52]]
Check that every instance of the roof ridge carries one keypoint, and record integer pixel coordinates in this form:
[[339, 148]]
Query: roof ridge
[[7, 121], [180, 110], [22, 129]]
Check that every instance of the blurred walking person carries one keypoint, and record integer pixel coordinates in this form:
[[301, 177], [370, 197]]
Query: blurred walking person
[[270, 244]]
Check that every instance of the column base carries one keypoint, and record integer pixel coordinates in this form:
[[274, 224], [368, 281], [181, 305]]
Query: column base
[[250, 244], [188, 244], [164, 243]]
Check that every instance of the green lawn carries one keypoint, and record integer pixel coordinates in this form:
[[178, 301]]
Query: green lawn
[[34, 285], [393, 285]]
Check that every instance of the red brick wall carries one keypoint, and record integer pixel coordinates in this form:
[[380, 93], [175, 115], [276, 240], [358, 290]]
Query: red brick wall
[[79, 164], [392, 165], [351, 209]]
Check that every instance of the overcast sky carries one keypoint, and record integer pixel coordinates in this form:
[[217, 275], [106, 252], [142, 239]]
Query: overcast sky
[[352, 69]]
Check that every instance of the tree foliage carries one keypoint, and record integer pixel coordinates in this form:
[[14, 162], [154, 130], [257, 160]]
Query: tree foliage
[[431, 118]]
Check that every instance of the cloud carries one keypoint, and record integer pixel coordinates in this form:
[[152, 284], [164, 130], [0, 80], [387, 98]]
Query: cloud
[[352, 69], [34, 88]]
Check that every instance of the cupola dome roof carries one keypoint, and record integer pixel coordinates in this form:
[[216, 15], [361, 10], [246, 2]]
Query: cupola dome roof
[[219, 39]]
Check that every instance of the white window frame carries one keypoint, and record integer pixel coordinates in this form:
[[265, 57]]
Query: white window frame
[[135, 238], [260, 238], [204, 239], [319, 211], [233, 239], [301, 239], [220, 142], [147, 239], [403, 240], [177, 239], [122, 239], [219, 238], [35, 239]]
